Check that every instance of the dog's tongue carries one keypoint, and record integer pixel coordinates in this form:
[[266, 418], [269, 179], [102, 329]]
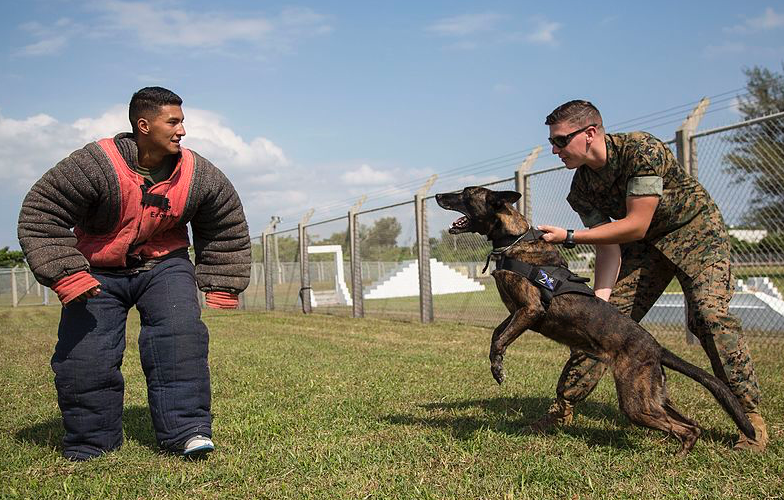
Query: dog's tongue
[[460, 223]]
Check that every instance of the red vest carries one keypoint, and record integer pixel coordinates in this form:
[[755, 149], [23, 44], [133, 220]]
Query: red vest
[[143, 230]]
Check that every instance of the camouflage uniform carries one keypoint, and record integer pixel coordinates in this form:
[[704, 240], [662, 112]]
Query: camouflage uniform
[[686, 239]]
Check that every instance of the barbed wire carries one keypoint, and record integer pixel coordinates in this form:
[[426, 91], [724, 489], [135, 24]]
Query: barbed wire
[[649, 121]]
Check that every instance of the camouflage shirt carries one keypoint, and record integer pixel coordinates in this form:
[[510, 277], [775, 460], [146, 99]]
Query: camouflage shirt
[[686, 226]]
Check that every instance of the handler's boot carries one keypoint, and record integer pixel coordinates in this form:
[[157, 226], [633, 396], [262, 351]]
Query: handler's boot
[[560, 413], [759, 443]]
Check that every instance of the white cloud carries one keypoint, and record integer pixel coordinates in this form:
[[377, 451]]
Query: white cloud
[[365, 175], [467, 24], [268, 182], [30, 146], [261, 204], [769, 20], [157, 28], [51, 39], [543, 32], [43, 47], [207, 134], [111, 122], [724, 49], [475, 30]]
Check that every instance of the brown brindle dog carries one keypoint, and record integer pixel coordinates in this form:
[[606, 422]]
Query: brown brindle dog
[[580, 321]]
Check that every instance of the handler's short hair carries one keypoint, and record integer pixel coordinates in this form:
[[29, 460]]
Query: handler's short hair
[[146, 102], [578, 112]]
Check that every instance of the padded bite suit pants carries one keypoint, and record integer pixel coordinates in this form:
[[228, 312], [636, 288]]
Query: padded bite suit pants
[[173, 346]]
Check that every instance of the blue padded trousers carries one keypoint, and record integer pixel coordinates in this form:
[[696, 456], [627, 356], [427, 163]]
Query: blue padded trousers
[[173, 346]]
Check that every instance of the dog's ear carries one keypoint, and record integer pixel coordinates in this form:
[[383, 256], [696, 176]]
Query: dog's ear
[[498, 198]]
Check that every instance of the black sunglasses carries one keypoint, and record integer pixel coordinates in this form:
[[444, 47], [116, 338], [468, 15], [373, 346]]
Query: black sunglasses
[[562, 141]]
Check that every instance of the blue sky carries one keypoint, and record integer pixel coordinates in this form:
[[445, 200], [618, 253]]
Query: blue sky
[[311, 105]]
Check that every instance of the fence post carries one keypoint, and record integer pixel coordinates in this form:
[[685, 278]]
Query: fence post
[[423, 253], [355, 256], [304, 265], [268, 293], [687, 155], [522, 185], [14, 294], [304, 271], [686, 149]]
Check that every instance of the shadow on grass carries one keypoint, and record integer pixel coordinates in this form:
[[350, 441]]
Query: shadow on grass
[[511, 415], [137, 425]]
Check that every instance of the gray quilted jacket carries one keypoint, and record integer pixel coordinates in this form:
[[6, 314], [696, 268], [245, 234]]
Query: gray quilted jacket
[[83, 190]]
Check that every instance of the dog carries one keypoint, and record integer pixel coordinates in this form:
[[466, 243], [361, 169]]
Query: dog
[[577, 319]]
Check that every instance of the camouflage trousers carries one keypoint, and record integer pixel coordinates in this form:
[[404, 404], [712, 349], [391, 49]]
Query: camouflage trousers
[[644, 275]]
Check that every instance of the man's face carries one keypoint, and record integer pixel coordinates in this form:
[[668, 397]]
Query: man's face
[[575, 152], [166, 129]]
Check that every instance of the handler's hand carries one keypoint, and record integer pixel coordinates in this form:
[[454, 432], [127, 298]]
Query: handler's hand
[[553, 234], [92, 292]]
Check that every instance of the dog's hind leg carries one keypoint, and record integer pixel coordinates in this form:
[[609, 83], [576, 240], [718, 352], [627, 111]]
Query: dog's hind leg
[[642, 398], [692, 429]]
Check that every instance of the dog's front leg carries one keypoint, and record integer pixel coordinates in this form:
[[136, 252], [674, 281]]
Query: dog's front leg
[[503, 335]]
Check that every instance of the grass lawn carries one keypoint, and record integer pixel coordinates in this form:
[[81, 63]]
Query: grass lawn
[[332, 407]]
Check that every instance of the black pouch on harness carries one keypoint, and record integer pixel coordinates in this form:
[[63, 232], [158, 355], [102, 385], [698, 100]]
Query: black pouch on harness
[[551, 280]]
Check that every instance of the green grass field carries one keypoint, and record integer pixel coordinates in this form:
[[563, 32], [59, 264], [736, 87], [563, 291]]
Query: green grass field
[[331, 407]]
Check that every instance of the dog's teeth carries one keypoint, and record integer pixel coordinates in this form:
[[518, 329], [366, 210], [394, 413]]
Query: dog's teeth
[[461, 222]]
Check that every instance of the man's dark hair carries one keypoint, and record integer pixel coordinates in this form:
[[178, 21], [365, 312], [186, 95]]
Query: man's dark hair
[[146, 102], [578, 112]]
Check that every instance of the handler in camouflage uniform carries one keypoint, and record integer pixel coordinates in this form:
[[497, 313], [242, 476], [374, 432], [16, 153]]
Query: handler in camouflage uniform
[[650, 221]]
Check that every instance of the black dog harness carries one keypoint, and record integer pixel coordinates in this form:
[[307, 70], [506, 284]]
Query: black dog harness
[[551, 280]]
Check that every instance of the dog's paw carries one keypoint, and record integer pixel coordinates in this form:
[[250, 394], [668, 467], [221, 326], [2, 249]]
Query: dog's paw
[[497, 367]]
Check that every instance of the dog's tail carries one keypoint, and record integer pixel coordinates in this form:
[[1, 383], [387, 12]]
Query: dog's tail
[[716, 387]]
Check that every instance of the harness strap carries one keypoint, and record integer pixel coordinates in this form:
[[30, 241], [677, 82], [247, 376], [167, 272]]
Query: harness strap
[[551, 280]]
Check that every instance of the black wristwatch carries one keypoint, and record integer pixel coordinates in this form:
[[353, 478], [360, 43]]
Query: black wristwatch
[[569, 241]]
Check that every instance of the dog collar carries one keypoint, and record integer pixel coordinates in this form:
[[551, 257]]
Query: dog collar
[[509, 241], [531, 235]]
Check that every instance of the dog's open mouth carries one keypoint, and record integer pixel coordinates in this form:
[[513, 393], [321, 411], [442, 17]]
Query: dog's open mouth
[[459, 225]]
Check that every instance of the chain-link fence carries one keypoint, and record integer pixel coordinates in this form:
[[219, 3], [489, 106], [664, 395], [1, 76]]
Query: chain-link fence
[[400, 261], [328, 280], [742, 166], [282, 279], [254, 296], [387, 248], [406, 265], [18, 287]]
